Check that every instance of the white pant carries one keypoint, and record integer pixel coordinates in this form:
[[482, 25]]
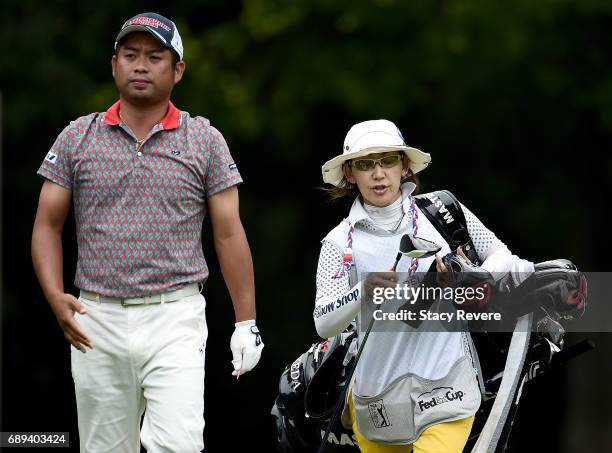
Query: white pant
[[144, 357]]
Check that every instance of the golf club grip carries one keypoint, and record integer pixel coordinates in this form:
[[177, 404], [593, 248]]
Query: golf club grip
[[397, 258], [342, 398], [572, 352]]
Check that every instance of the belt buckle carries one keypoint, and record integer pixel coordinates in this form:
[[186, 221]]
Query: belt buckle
[[144, 300], [133, 301]]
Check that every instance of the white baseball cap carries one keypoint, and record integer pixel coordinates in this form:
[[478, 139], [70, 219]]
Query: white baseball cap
[[369, 137]]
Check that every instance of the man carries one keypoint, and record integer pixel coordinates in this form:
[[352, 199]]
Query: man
[[140, 176]]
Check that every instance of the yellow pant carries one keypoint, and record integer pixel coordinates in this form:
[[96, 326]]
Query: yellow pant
[[449, 437]]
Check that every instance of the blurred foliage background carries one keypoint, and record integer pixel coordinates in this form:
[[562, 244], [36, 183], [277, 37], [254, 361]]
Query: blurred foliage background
[[512, 99]]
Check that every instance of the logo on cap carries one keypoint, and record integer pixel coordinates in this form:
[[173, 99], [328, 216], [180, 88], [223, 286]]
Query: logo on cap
[[149, 21]]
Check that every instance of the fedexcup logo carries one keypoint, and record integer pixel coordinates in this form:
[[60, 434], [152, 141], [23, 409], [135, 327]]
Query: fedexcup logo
[[439, 395]]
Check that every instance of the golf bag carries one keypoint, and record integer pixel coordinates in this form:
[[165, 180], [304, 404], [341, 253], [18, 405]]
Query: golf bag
[[308, 390]]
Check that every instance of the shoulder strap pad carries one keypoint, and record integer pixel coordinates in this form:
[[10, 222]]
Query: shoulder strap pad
[[444, 212]]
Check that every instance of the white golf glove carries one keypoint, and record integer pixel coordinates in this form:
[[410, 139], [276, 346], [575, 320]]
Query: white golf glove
[[246, 346]]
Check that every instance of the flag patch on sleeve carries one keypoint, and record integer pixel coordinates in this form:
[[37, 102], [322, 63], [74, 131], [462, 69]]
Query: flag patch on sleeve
[[51, 157]]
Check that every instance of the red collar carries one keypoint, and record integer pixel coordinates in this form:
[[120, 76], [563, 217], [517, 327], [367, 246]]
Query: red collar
[[172, 120]]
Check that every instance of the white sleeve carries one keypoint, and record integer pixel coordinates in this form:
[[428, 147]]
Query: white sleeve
[[336, 303], [493, 253]]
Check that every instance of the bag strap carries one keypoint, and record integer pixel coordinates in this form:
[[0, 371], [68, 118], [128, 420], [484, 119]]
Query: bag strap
[[446, 215]]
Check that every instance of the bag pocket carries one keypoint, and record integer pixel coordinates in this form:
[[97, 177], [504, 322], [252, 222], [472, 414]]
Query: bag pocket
[[411, 404]]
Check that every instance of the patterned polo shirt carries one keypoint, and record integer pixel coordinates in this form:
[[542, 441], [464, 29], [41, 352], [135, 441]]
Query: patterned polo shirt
[[139, 206]]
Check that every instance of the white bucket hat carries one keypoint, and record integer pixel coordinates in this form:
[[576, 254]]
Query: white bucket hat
[[368, 137]]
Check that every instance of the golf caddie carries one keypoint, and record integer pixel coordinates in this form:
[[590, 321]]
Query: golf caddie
[[141, 177], [412, 390]]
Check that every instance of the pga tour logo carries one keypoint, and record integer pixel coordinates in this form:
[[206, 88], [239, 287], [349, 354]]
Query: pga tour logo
[[443, 395], [51, 157], [378, 413]]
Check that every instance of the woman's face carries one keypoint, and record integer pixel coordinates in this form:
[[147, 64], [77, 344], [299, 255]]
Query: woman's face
[[380, 185]]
